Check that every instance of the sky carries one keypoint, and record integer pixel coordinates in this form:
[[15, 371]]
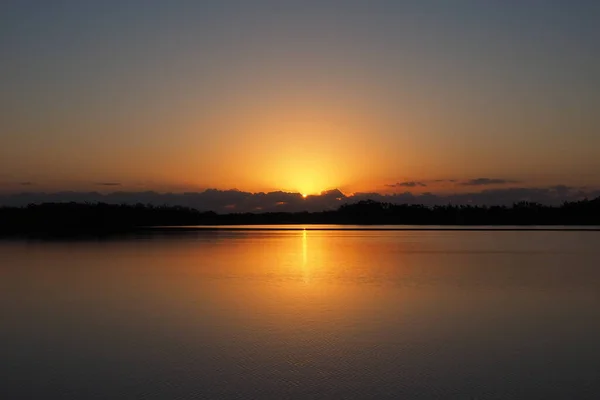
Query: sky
[[378, 96]]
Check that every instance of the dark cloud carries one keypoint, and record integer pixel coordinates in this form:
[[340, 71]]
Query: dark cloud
[[487, 181], [227, 201], [409, 184], [26, 183], [553, 195], [108, 184]]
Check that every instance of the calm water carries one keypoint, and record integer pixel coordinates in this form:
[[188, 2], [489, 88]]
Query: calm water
[[302, 314]]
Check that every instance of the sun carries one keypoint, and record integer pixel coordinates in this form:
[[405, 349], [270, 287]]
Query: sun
[[304, 195]]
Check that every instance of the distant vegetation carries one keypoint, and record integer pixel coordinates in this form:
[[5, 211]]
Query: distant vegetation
[[100, 217]]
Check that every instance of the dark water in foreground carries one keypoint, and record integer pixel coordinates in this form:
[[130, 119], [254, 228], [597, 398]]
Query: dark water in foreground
[[303, 314]]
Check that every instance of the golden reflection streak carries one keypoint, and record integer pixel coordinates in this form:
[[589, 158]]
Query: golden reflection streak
[[305, 267]]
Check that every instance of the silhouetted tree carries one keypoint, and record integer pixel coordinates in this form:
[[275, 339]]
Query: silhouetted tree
[[56, 218]]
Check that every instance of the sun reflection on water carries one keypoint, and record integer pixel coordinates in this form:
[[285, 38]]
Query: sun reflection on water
[[305, 267]]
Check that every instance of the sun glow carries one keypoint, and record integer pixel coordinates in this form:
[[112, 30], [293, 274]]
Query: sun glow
[[308, 180], [296, 144]]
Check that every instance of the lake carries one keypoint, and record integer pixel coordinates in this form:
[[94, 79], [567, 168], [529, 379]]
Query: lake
[[299, 314]]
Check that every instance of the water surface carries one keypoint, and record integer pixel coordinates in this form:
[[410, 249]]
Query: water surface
[[301, 314]]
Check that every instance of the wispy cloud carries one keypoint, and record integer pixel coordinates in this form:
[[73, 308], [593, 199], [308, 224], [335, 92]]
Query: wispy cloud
[[408, 184], [487, 181], [108, 183], [445, 180]]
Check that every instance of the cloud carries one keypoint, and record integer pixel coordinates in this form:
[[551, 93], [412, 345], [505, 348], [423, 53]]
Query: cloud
[[425, 183], [26, 183], [108, 183], [552, 195], [445, 180], [487, 181], [409, 184], [227, 201]]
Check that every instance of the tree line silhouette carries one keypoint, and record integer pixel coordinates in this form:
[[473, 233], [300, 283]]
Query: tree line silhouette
[[102, 217]]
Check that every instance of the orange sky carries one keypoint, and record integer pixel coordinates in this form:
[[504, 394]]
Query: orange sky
[[179, 97]]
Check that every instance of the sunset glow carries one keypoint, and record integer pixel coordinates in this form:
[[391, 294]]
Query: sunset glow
[[391, 98]]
